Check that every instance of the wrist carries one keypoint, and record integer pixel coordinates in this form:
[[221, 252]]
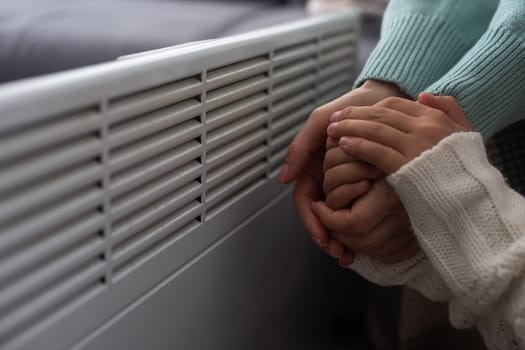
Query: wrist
[[386, 88]]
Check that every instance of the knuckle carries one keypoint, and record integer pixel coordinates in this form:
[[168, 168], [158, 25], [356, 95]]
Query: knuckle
[[356, 223], [347, 110], [390, 101], [428, 127], [317, 112], [379, 112]]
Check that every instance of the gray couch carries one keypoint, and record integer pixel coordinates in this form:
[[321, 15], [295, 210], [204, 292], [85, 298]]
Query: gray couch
[[44, 36]]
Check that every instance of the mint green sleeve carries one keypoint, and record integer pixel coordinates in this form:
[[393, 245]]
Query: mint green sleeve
[[423, 39], [489, 80]]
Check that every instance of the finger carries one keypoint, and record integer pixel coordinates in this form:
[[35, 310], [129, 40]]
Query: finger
[[372, 131], [375, 206], [311, 137], [306, 191], [403, 105], [333, 220], [345, 194], [336, 156], [391, 117], [330, 143], [348, 173], [335, 248], [347, 259], [446, 104], [383, 158]]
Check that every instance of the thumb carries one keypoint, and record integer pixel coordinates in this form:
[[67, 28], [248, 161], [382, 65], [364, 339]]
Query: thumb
[[446, 104]]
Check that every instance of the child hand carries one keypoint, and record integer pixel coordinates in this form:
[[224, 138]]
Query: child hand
[[382, 232], [345, 177], [383, 242], [395, 131]]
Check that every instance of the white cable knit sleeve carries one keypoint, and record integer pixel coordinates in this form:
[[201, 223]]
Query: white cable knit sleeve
[[471, 226]]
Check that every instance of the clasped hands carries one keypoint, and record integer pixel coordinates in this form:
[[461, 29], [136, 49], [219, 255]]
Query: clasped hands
[[341, 157]]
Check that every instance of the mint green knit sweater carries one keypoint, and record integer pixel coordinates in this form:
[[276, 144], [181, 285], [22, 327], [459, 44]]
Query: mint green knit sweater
[[473, 50]]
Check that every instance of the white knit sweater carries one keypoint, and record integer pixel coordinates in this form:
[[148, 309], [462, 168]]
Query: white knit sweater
[[471, 228]]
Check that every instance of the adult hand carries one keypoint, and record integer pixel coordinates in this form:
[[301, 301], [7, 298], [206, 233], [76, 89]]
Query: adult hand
[[303, 161]]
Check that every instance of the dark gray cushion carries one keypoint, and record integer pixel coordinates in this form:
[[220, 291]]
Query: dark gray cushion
[[42, 36]]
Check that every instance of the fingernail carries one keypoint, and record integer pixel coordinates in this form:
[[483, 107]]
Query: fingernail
[[342, 264], [334, 117], [344, 141], [283, 174], [331, 129]]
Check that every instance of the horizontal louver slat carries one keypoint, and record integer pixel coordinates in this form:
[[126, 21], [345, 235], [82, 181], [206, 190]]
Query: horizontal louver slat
[[343, 68], [234, 92], [222, 196], [228, 171], [343, 54], [235, 148], [241, 127], [149, 124], [344, 79], [236, 110], [168, 226], [49, 191], [291, 104], [126, 227], [150, 192], [23, 143], [295, 117], [40, 165], [54, 299], [294, 53], [19, 261], [153, 99], [294, 87], [277, 159], [50, 219], [237, 71], [293, 70], [50, 274], [153, 145], [152, 168], [328, 43], [228, 189]]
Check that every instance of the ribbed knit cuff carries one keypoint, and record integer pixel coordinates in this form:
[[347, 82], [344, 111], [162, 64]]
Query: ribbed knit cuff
[[489, 82], [406, 56]]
